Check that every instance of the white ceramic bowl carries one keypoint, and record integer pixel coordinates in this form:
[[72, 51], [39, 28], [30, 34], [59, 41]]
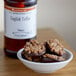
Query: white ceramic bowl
[[46, 67]]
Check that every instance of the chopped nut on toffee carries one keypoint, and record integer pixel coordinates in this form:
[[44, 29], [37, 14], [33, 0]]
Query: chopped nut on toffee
[[51, 51], [55, 47], [54, 57], [25, 56], [34, 48]]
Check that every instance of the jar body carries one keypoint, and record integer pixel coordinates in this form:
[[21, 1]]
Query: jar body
[[20, 24]]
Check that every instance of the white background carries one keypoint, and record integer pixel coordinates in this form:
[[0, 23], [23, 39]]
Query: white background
[[57, 14]]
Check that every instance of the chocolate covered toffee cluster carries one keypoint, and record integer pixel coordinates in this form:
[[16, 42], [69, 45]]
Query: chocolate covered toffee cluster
[[33, 50], [49, 51]]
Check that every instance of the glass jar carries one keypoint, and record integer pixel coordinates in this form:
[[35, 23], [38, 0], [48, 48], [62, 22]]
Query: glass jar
[[19, 24]]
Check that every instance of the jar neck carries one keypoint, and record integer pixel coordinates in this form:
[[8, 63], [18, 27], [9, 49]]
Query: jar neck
[[20, 3]]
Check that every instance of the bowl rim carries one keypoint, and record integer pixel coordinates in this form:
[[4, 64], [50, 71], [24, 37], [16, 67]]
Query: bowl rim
[[24, 60]]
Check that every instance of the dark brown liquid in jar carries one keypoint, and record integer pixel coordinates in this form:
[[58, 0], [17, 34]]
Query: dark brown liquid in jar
[[15, 40]]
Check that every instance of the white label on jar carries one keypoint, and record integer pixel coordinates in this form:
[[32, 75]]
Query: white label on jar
[[20, 23]]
